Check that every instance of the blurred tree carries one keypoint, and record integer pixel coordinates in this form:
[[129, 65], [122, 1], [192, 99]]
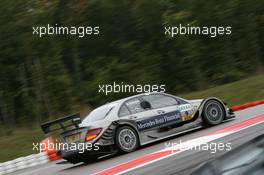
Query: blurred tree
[[44, 78]]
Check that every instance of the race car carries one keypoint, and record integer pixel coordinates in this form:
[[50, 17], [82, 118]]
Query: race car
[[126, 124]]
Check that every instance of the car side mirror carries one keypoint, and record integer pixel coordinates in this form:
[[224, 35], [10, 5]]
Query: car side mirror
[[145, 105]]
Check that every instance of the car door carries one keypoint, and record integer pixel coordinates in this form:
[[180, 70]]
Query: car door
[[166, 108], [132, 110]]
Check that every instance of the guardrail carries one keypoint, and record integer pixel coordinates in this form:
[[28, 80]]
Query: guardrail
[[23, 162], [32, 160]]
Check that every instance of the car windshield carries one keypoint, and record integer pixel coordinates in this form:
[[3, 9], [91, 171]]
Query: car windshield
[[99, 113]]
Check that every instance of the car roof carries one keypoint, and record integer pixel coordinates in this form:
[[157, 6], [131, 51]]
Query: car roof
[[117, 104], [120, 101]]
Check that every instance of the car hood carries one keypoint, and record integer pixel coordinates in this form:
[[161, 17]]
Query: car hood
[[196, 102]]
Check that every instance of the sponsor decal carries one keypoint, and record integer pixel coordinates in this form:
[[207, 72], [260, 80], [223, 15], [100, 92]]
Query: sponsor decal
[[159, 120], [184, 107]]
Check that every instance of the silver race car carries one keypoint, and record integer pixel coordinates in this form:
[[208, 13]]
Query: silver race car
[[126, 124]]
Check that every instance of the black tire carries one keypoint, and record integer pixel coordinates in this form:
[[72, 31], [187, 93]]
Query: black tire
[[126, 139], [213, 112]]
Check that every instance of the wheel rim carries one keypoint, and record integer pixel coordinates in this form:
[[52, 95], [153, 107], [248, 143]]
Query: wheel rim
[[127, 139], [214, 112]]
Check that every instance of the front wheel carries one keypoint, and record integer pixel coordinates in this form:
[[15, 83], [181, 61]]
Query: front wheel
[[126, 139], [213, 112]]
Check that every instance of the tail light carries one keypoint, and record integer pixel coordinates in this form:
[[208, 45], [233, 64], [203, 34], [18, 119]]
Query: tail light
[[92, 134]]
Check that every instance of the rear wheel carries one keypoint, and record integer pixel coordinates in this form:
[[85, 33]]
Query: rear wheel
[[213, 112], [126, 139]]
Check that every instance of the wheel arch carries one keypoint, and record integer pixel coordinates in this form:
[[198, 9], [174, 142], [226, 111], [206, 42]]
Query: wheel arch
[[201, 107], [131, 124]]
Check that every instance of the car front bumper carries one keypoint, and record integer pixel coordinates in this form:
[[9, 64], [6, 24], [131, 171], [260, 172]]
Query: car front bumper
[[230, 114]]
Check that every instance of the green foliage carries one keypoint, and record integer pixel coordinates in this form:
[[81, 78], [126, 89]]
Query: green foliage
[[45, 78]]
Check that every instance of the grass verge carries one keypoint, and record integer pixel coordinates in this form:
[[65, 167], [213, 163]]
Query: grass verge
[[19, 143], [235, 93]]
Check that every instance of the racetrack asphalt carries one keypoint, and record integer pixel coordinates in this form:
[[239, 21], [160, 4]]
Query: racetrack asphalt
[[182, 163]]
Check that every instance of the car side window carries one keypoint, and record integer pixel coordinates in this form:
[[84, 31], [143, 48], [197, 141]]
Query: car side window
[[123, 111], [134, 106], [159, 101]]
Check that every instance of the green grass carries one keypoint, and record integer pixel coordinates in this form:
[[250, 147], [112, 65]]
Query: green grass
[[250, 89], [235, 93], [19, 143]]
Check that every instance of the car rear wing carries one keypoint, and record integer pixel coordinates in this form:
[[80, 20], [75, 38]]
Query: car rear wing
[[64, 123]]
